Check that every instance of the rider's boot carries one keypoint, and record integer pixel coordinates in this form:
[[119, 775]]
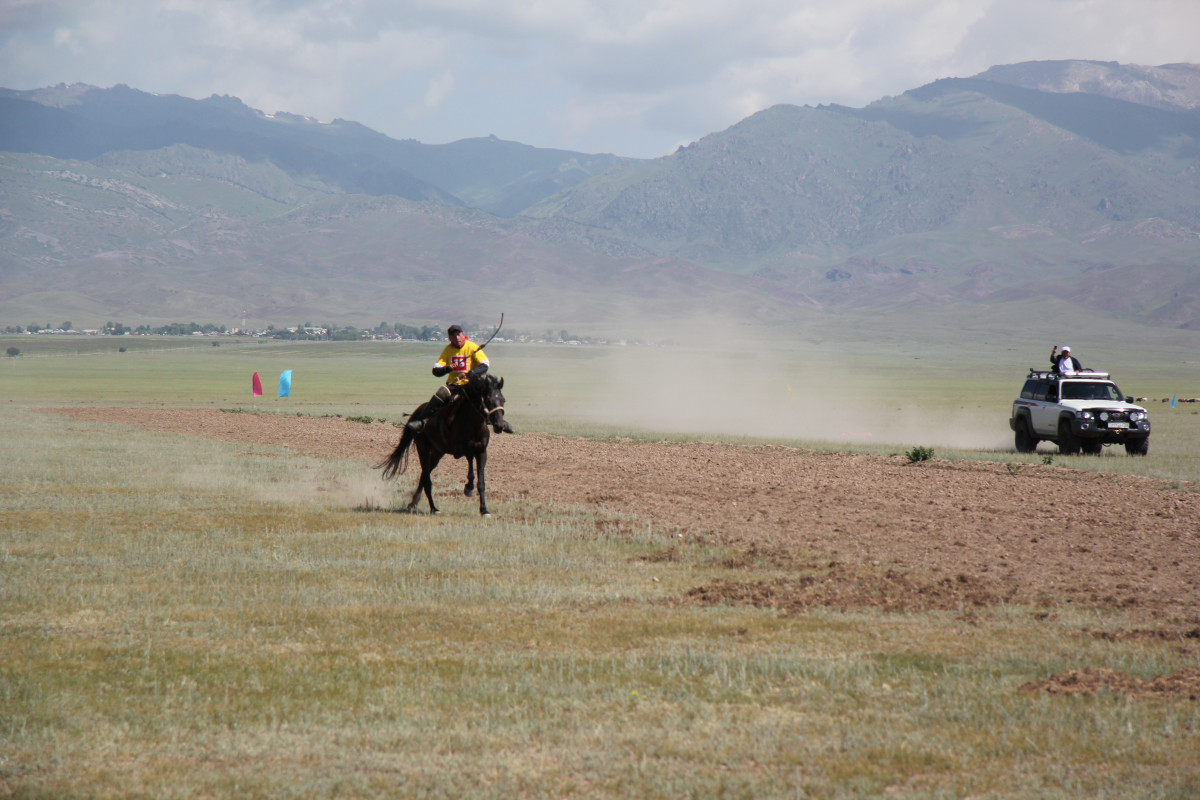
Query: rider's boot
[[416, 422]]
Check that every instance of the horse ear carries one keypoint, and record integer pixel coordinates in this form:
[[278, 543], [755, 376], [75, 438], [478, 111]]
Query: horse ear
[[500, 385]]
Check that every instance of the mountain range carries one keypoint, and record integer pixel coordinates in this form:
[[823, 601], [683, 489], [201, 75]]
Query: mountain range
[[1074, 180]]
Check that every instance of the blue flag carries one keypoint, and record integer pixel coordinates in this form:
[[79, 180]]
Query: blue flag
[[1172, 401], [285, 383]]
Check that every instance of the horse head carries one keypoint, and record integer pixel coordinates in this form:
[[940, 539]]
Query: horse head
[[493, 403]]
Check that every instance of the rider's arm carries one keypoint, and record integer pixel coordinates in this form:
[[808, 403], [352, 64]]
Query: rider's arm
[[480, 360], [442, 365]]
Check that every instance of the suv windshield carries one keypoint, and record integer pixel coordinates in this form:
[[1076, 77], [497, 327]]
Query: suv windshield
[[1090, 390]]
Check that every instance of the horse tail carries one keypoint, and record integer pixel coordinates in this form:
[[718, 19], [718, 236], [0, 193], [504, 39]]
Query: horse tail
[[397, 462]]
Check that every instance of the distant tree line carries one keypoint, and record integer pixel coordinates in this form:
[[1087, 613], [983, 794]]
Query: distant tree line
[[178, 329], [305, 331], [384, 330], [119, 329], [424, 333], [34, 327], [309, 331]]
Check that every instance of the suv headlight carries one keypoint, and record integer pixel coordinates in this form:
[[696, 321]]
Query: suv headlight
[[1084, 414], [1134, 416]]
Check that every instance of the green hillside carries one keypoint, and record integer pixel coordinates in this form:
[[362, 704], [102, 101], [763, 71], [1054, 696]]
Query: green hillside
[[944, 194]]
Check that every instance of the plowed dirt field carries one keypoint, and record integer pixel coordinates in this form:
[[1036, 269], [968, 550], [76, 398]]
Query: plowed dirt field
[[829, 529]]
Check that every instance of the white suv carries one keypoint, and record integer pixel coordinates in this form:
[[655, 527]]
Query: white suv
[[1081, 412]]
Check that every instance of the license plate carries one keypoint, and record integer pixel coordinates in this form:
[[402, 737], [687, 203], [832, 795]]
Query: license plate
[[1118, 425]]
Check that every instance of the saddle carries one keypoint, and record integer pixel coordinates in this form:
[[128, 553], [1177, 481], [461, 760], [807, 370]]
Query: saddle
[[449, 411]]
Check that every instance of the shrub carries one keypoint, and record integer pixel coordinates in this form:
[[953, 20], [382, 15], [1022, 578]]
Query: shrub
[[920, 454], [13, 352]]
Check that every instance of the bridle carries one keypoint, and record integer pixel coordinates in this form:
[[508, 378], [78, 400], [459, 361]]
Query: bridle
[[487, 416], [483, 410]]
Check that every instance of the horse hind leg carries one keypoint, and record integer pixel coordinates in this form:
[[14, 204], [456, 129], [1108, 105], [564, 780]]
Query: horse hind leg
[[429, 461], [429, 495], [411, 508], [424, 485]]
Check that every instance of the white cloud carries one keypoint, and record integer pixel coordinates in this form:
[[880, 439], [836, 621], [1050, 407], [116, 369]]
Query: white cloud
[[439, 89], [628, 76]]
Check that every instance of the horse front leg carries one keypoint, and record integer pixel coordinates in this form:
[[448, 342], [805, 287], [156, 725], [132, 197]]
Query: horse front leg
[[483, 509], [469, 489]]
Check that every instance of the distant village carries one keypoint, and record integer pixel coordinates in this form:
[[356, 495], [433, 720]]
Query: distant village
[[382, 332]]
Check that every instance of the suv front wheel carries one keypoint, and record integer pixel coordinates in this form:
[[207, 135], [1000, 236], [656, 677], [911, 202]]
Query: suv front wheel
[[1068, 445], [1138, 447]]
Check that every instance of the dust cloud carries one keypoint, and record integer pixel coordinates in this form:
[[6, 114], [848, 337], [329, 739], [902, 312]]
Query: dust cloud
[[763, 389]]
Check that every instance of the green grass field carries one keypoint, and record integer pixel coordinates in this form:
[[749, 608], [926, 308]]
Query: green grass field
[[218, 621]]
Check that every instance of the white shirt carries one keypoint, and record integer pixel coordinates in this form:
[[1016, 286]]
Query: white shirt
[[1065, 365]]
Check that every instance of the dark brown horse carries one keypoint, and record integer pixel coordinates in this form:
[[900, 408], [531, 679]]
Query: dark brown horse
[[462, 429]]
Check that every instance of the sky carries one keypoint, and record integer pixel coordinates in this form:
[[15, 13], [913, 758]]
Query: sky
[[635, 78]]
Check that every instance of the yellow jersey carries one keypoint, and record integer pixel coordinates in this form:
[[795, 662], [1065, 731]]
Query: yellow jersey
[[461, 360]]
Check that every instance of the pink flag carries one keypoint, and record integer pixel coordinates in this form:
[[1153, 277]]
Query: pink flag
[[256, 384]]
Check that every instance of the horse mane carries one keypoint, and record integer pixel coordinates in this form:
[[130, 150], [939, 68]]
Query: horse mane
[[477, 387], [479, 383]]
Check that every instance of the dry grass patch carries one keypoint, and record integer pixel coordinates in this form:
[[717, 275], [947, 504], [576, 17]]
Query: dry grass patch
[[239, 622]]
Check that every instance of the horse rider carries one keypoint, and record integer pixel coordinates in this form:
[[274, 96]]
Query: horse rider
[[460, 361]]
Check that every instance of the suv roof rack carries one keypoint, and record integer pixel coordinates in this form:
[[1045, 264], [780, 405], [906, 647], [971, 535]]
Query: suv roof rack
[[1051, 375]]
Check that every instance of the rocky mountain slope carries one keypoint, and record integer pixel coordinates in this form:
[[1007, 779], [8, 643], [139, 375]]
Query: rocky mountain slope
[[958, 190], [1074, 180]]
